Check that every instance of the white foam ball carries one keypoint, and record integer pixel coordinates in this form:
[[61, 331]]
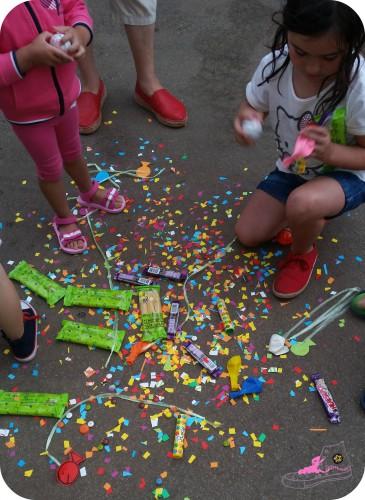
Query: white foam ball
[[56, 41], [252, 128]]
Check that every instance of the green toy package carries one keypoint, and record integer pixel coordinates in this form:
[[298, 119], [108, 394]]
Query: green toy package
[[33, 403], [98, 297], [43, 286], [152, 319], [91, 335]]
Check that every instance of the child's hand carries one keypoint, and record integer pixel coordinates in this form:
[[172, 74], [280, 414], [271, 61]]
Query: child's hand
[[245, 112], [324, 146], [40, 53], [76, 38]]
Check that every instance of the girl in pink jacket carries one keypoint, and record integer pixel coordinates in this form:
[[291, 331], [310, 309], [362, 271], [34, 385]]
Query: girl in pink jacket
[[38, 92]]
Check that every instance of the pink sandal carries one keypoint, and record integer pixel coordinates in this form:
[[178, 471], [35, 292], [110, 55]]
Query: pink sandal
[[64, 238], [107, 203]]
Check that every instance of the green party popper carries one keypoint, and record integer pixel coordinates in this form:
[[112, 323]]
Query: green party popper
[[40, 284], [33, 404], [98, 297], [152, 319], [90, 335]]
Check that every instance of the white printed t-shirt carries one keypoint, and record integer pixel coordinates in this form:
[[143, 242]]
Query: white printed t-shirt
[[288, 114]]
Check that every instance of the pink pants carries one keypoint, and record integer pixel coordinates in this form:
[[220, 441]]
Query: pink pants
[[52, 143]]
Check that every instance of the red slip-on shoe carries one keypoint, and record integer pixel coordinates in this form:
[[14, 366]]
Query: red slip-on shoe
[[167, 108], [294, 274], [90, 106]]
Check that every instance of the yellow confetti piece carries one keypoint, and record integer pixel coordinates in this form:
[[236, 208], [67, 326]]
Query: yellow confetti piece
[[118, 448], [124, 436], [231, 430], [66, 444], [146, 454], [28, 473], [192, 459], [261, 455]]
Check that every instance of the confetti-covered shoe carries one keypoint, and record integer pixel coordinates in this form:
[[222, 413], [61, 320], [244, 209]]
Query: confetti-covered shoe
[[25, 348], [331, 465]]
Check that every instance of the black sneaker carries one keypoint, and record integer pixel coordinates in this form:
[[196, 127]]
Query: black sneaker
[[25, 348]]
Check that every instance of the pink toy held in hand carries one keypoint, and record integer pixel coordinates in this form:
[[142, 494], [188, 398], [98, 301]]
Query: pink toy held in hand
[[303, 147]]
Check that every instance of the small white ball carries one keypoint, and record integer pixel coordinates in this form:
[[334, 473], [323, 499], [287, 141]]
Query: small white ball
[[56, 41], [252, 128]]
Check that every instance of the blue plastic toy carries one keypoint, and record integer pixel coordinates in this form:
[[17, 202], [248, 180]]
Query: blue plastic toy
[[251, 385]]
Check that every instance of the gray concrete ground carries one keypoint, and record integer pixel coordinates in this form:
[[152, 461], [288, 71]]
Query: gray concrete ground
[[206, 51]]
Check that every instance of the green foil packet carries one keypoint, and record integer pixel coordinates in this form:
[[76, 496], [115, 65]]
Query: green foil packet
[[152, 320], [33, 403], [91, 335], [98, 297], [40, 284]]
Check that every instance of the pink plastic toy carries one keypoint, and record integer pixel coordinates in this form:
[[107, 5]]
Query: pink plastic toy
[[303, 147]]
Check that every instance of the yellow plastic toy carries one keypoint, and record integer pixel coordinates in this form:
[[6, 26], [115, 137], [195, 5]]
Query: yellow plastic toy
[[234, 367]]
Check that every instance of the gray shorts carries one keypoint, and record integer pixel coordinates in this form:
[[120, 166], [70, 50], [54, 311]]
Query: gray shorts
[[136, 12]]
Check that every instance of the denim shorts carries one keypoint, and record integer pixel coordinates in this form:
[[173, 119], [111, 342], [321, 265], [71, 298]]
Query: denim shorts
[[279, 185]]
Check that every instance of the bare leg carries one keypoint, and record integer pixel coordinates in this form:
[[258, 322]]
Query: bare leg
[[78, 171], [260, 220], [55, 194], [11, 316], [89, 74], [141, 40], [307, 207]]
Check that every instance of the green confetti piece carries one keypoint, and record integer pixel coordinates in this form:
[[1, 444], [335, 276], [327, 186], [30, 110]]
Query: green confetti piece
[[98, 297], [33, 403], [90, 335], [40, 284]]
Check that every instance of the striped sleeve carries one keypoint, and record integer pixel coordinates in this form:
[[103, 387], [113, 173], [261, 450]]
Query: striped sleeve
[[9, 69]]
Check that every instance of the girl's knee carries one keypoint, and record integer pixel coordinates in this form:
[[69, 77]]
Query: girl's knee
[[299, 205], [245, 236]]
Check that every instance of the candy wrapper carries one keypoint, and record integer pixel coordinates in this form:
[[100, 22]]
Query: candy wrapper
[[33, 403], [152, 319], [43, 286], [98, 297], [178, 449], [94, 336], [327, 399]]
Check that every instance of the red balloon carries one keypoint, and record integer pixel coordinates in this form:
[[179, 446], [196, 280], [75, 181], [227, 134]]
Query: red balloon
[[68, 472]]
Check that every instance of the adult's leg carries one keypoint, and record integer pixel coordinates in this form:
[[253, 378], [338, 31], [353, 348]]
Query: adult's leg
[[260, 220], [89, 75], [141, 40]]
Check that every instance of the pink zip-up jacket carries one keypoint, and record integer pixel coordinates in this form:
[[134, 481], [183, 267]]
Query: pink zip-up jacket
[[43, 92]]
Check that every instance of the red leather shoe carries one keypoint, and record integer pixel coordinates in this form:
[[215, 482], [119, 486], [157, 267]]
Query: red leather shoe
[[167, 108], [90, 106], [294, 274]]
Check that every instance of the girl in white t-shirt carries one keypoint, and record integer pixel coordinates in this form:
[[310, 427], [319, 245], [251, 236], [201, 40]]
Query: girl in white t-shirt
[[312, 84]]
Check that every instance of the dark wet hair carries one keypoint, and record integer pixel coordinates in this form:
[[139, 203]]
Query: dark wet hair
[[313, 18]]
